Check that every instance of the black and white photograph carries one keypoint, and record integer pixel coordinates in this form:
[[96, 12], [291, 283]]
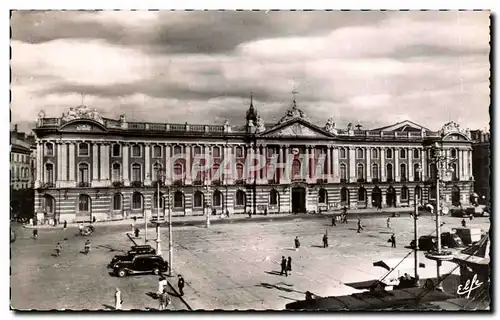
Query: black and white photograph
[[192, 160]]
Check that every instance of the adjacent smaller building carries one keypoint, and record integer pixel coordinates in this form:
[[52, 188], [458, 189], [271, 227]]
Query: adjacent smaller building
[[481, 165], [22, 167]]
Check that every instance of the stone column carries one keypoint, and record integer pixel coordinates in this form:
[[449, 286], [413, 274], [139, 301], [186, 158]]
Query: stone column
[[209, 172], [307, 163], [368, 199], [39, 165], [58, 164], [263, 172], [126, 167], [251, 157], [397, 176], [64, 162], [410, 164], [72, 163], [368, 170], [352, 164], [382, 165], [280, 161], [103, 157], [287, 173], [461, 165], [95, 162], [329, 164], [423, 164], [469, 164], [335, 164], [147, 165], [168, 165], [188, 164]]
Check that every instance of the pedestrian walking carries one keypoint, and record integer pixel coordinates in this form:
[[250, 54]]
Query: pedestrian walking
[[283, 266], [162, 283], [80, 228], [214, 211], [289, 264], [325, 240], [297, 243], [65, 224], [388, 222], [93, 219], [360, 227], [180, 285], [87, 246], [464, 224], [265, 211], [471, 217], [345, 218], [393, 241], [136, 232], [334, 223], [58, 249], [35, 233], [164, 299], [250, 213], [118, 299]]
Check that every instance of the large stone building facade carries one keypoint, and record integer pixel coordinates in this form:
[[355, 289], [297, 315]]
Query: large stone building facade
[[107, 169], [481, 154]]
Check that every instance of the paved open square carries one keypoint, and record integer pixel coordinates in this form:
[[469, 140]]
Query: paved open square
[[227, 266]]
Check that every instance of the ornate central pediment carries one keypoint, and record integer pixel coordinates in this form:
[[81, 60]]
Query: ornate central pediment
[[296, 129]]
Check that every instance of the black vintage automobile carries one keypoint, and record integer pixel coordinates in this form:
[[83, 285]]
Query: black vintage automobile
[[140, 264], [428, 243], [135, 250]]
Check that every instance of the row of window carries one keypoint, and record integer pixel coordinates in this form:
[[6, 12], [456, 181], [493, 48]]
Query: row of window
[[19, 173], [157, 151], [19, 157]]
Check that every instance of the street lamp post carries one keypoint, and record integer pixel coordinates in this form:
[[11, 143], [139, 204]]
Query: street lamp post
[[159, 181], [208, 209], [415, 226]]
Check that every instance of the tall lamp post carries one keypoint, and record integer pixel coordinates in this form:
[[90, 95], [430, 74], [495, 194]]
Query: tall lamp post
[[415, 226], [207, 207], [158, 221]]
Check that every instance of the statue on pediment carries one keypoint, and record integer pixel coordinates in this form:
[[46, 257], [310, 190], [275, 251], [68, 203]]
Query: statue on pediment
[[83, 112], [251, 126], [122, 118], [41, 114], [350, 127], [94, 115], [330, 126], [451, 126], [260, 124]]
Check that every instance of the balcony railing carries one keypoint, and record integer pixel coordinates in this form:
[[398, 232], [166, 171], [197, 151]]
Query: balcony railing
[[375, 180], [137, 184], [404, 179], [82, 184], [198, 182], [117, 184], [178, 182], [48, 185], [361, 180], [321, 181], [216, 182], [239, 181], [390, 179], [343, 180]]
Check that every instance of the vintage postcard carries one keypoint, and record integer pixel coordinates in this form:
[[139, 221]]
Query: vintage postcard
[[250, 160]]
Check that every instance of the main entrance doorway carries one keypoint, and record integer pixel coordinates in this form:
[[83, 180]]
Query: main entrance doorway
[[391, 197], [298, 199], [377, 197]]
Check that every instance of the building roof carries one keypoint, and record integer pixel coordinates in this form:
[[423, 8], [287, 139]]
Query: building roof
[[403, 126]]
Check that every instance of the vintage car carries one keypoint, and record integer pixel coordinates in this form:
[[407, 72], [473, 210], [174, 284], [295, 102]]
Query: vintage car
[[140, 264]]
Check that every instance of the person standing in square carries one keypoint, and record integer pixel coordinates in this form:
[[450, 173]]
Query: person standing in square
[[283, 266], [180, 285]]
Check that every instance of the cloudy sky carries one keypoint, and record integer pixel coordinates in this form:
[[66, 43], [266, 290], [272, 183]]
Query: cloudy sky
[[375, 68]]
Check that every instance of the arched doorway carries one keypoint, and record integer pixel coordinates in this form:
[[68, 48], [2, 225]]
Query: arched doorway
[[377, 197], [455, 196], [390, 197], [298, 199], [84, 208], [362, 198], [344, 197]]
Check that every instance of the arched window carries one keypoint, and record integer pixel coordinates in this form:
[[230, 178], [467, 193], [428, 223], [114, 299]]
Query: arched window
[[403, 172], [239, 152], [116, 150], [137, 201], [343, 153], [375, 174], [374, 153], [454, 172], [361, 194], [49, 149], [217, 199], [155, 200], [83, 173], [117, 201], [418, 194], [197, 150], [453, 153], [136, 172], [433, 171], [136, 151], [402, 154], [239, 171], [198, 199], [432, 193], [455, 196], [83, 149], [178, 170], [405, 194], [296, 169], [360, 153], [216, 173], [343, 172], [178, 200], [416, 172], [273, 198], [344, 196], [156, 151], [49, 173], [389, 153], [177, 150], [416, 153], [361, 172], [389, 172], [322, 196], [240, 198], [116, 172], [84, 203], [157, 172]]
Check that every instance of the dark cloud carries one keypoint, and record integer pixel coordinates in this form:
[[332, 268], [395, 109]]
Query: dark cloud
[[196, 32]]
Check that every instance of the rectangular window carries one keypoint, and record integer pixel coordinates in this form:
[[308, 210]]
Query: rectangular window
[[136, 173], [116, 150], [343, 153], [49, 149], [239, 152], [216, 152], [83, 149], [136, 151]]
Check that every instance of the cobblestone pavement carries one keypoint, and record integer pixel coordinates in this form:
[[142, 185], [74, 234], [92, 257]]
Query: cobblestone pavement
[[75, 281], [226, 267]]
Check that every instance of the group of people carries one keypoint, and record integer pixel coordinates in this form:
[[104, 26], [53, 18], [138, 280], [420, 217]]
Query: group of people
[[286, 266]]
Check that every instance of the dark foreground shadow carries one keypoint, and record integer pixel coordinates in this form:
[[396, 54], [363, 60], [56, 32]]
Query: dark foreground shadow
[[108, 307], [276, 287], [274, 273], [316, 246]]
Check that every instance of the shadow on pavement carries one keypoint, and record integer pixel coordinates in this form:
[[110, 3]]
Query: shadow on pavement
[[316, 246], [274, 273], [273, 286], [289, 298], [110, 248], [108, 307]]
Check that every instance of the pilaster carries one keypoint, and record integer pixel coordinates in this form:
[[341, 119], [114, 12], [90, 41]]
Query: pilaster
[[147, 165]]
